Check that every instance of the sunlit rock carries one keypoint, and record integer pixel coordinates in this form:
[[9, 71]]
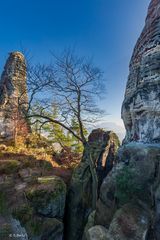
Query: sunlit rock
[[141, 106], [13, 99]]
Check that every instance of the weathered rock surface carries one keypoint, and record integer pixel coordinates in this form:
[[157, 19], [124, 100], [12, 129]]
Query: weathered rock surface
[[130, 222], [129, 200], [157, 214], [90, 223], [136, 172], [141, 106], [106, 205], [48, 196], [42, 214], [97, 233], [32, 202], [103, 146], [10, 228], [13, 99]]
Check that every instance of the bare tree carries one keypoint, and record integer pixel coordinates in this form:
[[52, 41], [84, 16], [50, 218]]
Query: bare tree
[[73, 85]]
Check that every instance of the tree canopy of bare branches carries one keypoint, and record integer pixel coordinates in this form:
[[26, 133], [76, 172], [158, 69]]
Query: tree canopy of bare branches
[[71, 84]]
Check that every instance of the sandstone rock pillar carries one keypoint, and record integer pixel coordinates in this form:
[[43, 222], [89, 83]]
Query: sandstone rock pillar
[[13, 99], [141, 106]]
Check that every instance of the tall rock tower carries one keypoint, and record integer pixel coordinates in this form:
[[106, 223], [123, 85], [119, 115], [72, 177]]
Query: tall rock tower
[[141, 106], [13, 99]]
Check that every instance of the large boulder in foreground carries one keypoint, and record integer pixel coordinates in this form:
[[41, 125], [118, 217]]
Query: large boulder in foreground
[[42, 211], [141, 106], [102, 147], [136, 172], [130, 222], [48, 197]]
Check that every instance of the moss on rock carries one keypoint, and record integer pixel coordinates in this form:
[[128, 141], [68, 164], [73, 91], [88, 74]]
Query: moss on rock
[[38, 227], [48, 196]]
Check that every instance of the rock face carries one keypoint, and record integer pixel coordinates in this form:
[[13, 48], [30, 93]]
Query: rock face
[[13, 99], [48, 198], [126, 181], [129, 200], [141, 106], [122, 208], [79, 201], [129, 222]]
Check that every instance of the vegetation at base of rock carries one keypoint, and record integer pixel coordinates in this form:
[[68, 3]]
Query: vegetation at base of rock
[[36, 225], [127, 188], [23, 213]]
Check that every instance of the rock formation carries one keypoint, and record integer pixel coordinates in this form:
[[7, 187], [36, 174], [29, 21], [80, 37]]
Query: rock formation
[[141, 106], [13, 99], [32, 200], [129, 201], [103, 146]]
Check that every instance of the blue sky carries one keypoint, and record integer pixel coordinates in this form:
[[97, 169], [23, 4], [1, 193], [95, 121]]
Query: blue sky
[[104, 29]]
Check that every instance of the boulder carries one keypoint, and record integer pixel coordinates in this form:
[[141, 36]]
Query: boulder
[[130, 222], [126, 182], [97, 233], [38, 227], [90, 223], [48, 196]]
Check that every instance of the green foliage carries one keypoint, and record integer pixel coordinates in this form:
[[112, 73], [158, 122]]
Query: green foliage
[[126, 186], [75, 143], [57, 134], [23, 213], [35, 140]]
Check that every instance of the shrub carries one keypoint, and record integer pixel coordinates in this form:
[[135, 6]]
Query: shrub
[[127, 188]]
